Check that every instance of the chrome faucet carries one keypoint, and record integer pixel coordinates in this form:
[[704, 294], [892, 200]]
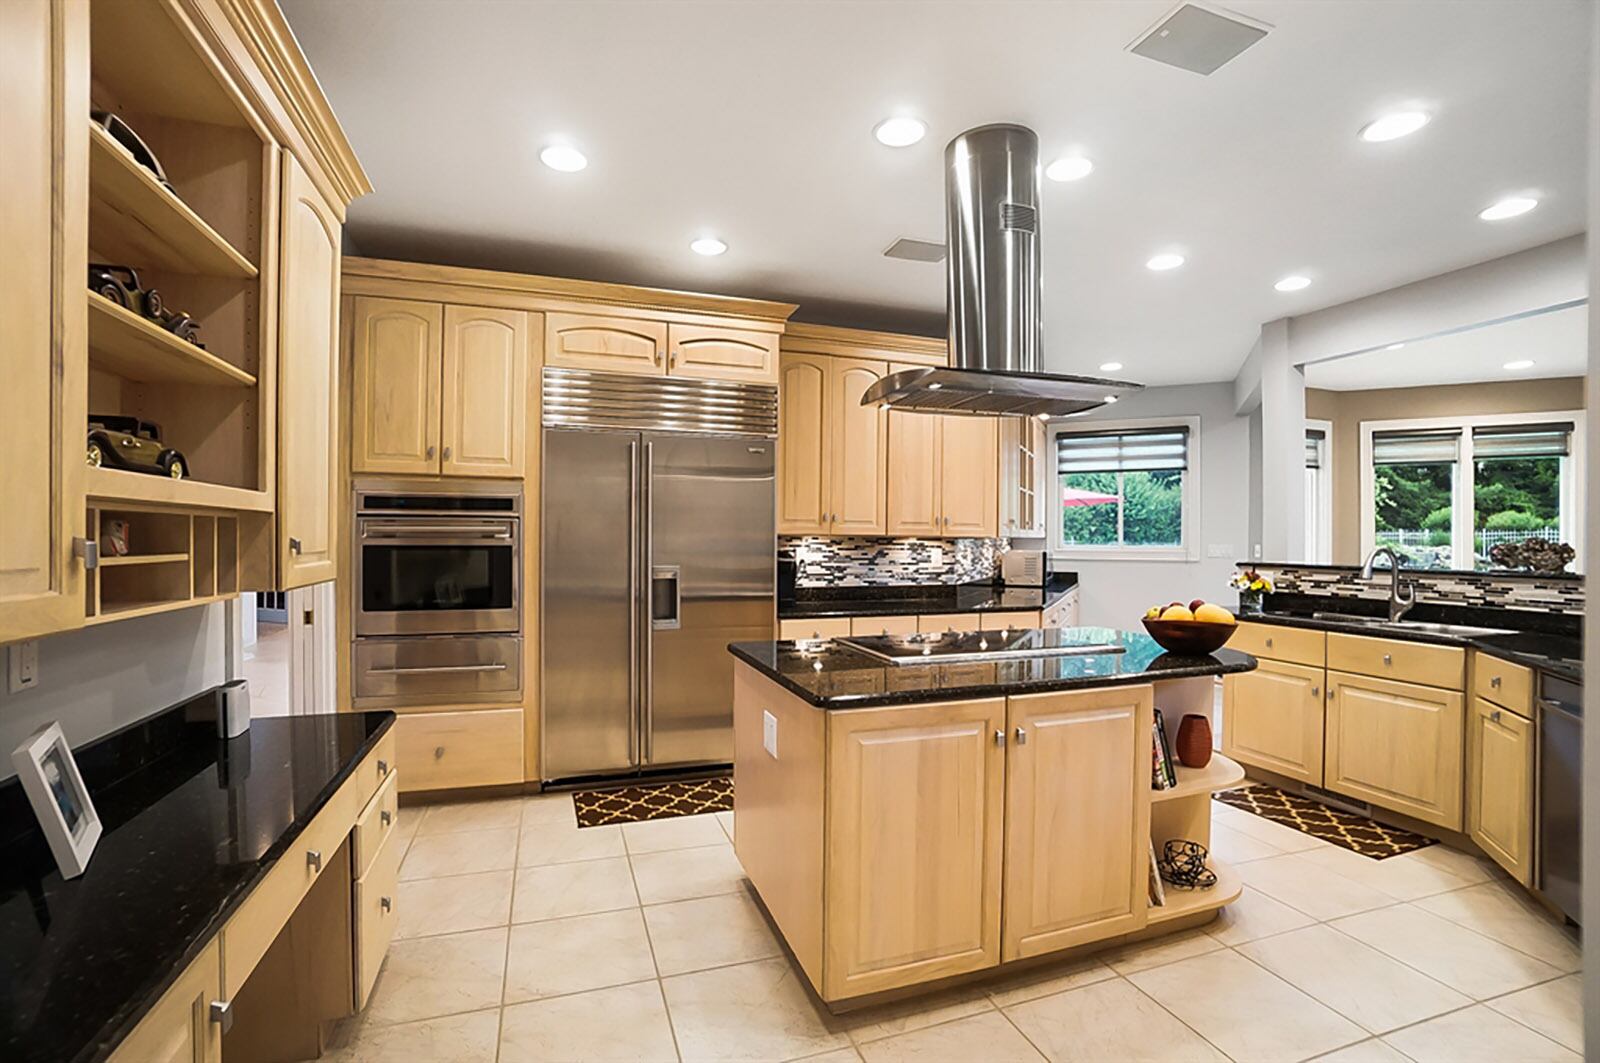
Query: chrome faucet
[[1399, 604]]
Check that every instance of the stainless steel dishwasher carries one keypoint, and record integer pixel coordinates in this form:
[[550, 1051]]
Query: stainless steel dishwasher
[[1560, 813]]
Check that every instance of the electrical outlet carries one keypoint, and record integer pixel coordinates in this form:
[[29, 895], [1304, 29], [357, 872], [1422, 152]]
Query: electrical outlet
[[22, 666], [769, 733]]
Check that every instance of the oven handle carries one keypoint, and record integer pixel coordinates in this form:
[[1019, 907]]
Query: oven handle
[[503, 532], [431, 669]]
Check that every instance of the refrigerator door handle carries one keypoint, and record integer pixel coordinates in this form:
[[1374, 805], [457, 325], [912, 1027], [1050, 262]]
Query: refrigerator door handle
[[647, 482], [633, 604], [666, 597]]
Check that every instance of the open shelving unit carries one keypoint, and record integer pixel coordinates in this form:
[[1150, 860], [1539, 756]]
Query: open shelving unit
[[136, 349], [1184, 811], [175, 560]]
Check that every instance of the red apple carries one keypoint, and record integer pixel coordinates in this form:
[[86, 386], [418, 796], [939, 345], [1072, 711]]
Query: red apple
[[1197, 603]]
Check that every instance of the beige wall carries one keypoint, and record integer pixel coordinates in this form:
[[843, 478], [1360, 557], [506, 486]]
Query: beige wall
[[1347, 409]]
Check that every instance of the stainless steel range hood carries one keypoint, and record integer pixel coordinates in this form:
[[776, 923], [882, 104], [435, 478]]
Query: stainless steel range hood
[[995, 293]]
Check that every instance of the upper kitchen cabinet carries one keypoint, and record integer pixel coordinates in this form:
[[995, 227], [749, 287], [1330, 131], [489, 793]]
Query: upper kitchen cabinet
[[942, 474], [485, 391], [398, 358], [605, 344], [804, 489], [722, 354], [1023, 443], [42, 405]]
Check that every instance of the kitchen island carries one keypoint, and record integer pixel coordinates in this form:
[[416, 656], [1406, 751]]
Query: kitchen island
[[907, 825]]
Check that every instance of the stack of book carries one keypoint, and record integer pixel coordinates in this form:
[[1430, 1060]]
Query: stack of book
[[1163, 768]]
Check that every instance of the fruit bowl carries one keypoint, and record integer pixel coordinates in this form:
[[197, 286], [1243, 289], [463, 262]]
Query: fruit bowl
[[1193, 638]]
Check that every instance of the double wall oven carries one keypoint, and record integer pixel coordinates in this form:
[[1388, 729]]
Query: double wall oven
[[438, 593]]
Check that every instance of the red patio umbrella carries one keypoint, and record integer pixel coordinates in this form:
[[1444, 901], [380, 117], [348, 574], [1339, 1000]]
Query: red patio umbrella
[[1072, 496]]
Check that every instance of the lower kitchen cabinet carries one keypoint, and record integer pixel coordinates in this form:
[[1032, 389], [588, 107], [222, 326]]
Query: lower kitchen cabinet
[[883, 625], [1272, 718], [450, 750], [1500, 747], [179, 1028], [1397, 745], [937, 622], [1077, 818], [996, 621], [914, 844], [818, 627]]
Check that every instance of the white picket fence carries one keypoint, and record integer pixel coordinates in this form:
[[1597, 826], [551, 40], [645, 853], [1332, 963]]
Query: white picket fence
[[1484, 538]]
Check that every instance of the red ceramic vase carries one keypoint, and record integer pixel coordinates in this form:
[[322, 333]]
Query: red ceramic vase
[[1194, 741]]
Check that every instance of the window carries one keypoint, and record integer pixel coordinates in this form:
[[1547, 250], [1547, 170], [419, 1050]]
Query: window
[[1444, 495], [1319, 493], [1123, 488]]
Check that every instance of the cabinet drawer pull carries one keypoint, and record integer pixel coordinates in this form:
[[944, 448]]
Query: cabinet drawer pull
[[1388, 659], [1494, 716], [222, 1014], [438, 752], [1269, 644], [386, 904], [385, 817], [314, 859], [999, 737], [1022, 737], [383, 768], [1495, 681]]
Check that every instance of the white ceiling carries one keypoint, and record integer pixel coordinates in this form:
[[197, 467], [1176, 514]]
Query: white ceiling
[[753, 120], [1556, 342]]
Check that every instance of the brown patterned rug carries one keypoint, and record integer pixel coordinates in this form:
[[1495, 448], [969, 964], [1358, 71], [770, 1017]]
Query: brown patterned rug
[[1353, 832], [632, 804]]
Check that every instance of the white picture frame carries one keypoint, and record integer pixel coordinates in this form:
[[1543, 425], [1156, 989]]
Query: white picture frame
[[61, 802]]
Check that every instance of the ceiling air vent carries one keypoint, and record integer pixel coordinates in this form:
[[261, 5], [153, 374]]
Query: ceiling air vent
[[1197, 38], [915, 250]]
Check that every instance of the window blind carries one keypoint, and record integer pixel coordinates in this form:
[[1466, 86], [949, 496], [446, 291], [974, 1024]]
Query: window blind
[[1523, 441], [1416, 447], [1316, 439], [1145, 450]]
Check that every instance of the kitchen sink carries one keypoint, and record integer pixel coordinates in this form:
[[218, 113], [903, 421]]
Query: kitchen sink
[[1422, 627]]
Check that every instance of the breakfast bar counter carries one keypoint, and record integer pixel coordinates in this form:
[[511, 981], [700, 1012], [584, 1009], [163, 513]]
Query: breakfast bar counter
[[908, 825]]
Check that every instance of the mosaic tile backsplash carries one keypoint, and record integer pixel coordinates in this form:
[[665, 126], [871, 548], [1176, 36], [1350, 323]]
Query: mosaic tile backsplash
[[1560, 594], [865, 561]]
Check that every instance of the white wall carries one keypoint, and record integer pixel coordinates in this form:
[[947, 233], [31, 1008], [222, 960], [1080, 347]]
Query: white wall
[[99, 679], [1115, 593]]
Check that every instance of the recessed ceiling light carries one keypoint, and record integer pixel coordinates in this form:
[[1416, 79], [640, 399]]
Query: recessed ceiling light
[[1071, 168], [708, 245], [1509, 207], [899, 132], [1393, 126], [1110, 367], [1165, 261], [563, 157], [1293, 283], [1520, 363], [1394, 346]]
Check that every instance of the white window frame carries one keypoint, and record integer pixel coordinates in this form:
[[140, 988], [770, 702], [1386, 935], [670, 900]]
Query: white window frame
[[1320, 508], [1187, 550], [1463, 514]]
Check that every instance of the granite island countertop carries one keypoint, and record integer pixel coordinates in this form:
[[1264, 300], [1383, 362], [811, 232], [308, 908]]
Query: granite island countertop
[[830, 675], [813, 603], [190, 824]]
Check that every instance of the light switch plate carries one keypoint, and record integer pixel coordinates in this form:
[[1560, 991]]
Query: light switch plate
[[769, 733], [22, 666]]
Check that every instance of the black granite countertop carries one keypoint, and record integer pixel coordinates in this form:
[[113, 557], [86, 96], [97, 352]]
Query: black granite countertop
[[917, 600], [1551, 642], [830, 675], [190, 825]]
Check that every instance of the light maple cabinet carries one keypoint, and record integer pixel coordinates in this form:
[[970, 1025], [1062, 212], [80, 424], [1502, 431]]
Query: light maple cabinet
[[717, 353], [397, 356], [1500, 779], [913, 474], [1023, 476], [1398, 745], [179, 1027], [604, 343], [831, 449], [43, 403], [942, 475], [439, 389], [1077, 818], [485, 393], [1273, 718], [308, 384], [914, 844]]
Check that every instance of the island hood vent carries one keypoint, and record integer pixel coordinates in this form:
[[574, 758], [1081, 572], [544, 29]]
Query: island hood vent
[[995, 293]]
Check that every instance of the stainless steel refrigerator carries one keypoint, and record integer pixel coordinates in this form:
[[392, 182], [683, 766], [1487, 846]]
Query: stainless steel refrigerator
[[656, 552]]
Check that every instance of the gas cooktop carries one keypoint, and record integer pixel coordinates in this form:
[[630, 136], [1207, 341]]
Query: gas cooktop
[[952, 647]]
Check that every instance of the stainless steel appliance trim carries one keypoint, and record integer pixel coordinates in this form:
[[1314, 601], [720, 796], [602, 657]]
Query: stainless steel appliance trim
[[439, 668], [369, 486], [634, 608], [675, 574], [647, 560], [377, 527], [577, 398]]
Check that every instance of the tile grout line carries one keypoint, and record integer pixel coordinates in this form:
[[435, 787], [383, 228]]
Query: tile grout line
[[661, 987], [511, 904], [1176, 1017]]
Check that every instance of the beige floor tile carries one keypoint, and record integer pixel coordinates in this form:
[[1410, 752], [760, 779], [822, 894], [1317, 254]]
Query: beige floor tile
[[460, 853], [583, 888], [1274, 834], [470, 1038], [407, 819], [1555, 1009], [678, 832], [1048, 978], [1255, 915], [709, 932], [1245, 1010], [549, 808], [756, 1011], [1463, 865], [1143, 955], [1461, 959], [434, 976], [838, 1055], [1501, 910], [1307, 887], [1373, 1051], [726, 820], [558, 842], [987, 1037], [1359, 982], [1403, 877], [623, 1024], [450, 905], [680, 874], [887, 1020], [1477, 1035], [496, 814], [1234, 846], [576, 954], [1109, 1021]]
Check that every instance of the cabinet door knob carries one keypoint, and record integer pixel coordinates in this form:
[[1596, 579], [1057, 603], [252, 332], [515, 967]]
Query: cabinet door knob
[[430, 450], [1022, 737], [1495, 682], [386, 904], [294, 546], [657, 358], [1495, 716], [383, 768], [446, 453], [1315, 691], [222, 1014], [438, 752], [386, 817], [88, 550], [314, 859], [999, 737]]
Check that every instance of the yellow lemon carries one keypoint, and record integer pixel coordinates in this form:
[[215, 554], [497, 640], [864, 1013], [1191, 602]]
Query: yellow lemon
[[1153, 613], [1213, 614], [1177, 612]]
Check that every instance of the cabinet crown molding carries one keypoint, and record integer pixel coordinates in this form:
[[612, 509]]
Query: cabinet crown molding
[[805, 338]]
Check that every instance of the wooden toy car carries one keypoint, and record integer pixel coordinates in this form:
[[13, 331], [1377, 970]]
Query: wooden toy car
[[120, 284], [132, 444]]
